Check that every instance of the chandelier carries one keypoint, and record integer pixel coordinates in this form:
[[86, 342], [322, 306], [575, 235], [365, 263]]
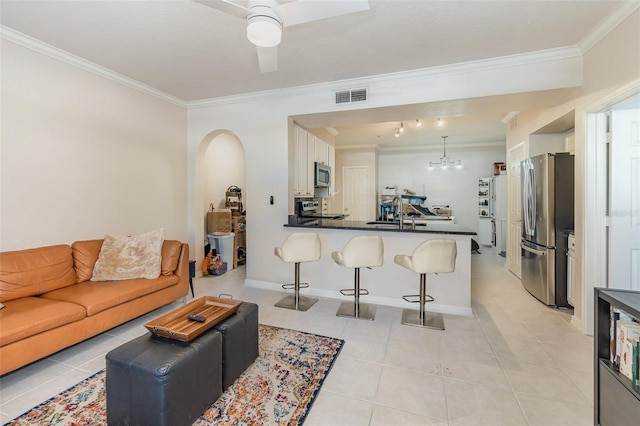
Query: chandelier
[[445, 162]]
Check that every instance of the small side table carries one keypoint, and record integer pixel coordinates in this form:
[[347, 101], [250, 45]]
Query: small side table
[[192, 273]]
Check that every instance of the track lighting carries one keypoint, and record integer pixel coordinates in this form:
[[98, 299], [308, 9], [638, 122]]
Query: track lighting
[[418, 123], [397, 134], [401, 127], [440, 123]]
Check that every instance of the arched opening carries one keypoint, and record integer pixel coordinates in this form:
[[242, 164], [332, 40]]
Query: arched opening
[[220, 164]]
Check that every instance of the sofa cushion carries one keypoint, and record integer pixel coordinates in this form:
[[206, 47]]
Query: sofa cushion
[[85, 255], [125, 258], [99, 296], [171, 250], [28, 316], [32, 272]]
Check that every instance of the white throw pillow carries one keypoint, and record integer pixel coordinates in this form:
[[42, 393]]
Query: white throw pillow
[[125, 258]]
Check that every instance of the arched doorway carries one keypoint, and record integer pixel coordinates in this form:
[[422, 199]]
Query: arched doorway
[[220, 164]]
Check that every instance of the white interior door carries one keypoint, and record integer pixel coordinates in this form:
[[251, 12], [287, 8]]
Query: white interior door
[[356, 193], [624, 196], [515, 156]]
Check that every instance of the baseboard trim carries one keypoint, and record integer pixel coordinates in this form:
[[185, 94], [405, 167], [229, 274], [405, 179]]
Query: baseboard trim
[[385, 301]]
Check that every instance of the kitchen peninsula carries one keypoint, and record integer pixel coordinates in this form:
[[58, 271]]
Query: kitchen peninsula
[[388, 283]]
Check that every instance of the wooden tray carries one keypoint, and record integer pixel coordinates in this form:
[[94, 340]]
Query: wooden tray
[[176, 325]]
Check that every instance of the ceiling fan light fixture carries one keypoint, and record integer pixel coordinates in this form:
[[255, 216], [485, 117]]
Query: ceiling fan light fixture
[[264, 30]]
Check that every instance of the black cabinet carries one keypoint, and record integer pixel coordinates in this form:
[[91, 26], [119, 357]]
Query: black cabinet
[[616, 399]]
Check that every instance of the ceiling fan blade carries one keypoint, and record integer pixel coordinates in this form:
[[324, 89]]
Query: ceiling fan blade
[[301, 11], [226, 7], [268, 59]]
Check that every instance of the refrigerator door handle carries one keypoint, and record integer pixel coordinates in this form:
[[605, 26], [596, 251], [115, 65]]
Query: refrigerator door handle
[[532, 250], [530, 200]]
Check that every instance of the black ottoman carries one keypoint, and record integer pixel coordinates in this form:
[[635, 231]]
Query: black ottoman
[[155, 381], [239, 342]]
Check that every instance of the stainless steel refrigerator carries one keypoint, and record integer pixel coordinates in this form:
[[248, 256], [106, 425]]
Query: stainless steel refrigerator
[[547, 213]]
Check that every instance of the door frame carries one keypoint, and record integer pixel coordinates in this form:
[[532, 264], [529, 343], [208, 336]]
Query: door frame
[[594, 256], [512, 264]]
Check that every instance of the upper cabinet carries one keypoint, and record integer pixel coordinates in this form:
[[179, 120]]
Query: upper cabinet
[[322, 150], [309, 150], [303, 168]]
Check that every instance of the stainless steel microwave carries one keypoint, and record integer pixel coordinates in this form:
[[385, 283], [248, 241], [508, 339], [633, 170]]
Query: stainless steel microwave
[[322, 175]]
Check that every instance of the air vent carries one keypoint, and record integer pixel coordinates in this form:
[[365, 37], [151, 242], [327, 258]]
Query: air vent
[[358, 95], [348, 96]]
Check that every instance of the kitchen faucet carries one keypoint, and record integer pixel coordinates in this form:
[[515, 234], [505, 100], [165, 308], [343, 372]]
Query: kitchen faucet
[[398, 199]]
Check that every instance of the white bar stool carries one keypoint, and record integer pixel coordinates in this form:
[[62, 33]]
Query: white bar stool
[[436, 256], [365, 251], [297, 248]]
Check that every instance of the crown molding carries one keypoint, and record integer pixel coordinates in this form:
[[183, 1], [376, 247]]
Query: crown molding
[[433, 148], [607, 25], [610, 22], [424, 73], [36, 45], [368, 147]]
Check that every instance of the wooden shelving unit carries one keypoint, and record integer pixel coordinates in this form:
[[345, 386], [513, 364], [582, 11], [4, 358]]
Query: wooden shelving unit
[[616, 398], [239, 224]]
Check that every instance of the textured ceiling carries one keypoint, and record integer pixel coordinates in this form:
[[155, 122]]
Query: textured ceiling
[[194, 52]]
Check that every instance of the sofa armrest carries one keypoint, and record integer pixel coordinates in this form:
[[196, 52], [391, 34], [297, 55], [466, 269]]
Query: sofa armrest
[[182, 271]]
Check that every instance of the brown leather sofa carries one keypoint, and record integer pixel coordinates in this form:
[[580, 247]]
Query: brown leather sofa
[[50, 302]]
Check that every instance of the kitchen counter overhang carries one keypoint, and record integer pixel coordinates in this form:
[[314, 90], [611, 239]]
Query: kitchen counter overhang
[[379, 226]]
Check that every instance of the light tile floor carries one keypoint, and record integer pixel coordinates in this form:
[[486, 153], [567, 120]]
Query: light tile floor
[[515, 362]]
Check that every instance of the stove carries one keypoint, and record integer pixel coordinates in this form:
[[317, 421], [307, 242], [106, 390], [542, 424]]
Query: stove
[[306, 208]]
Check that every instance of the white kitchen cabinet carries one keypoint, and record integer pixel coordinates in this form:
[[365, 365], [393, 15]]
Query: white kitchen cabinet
[[304, 159], [321, 150], [332, 164]]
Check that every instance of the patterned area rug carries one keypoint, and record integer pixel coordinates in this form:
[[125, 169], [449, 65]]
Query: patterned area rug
[[278, 388]]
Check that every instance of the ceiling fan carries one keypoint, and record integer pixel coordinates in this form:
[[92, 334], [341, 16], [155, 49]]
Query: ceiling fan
[[266, 19]]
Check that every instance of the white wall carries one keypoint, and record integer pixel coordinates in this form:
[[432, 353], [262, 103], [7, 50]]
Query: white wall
[[458, 188], [83, 156], [552, 143]]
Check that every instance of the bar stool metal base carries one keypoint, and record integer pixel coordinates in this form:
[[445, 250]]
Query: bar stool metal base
[[429, 320], [422, 318], [289, 302], [366, 311], [295, 301]]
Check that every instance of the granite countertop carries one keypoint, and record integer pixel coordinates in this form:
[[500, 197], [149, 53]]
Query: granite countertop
[[430, 228]]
